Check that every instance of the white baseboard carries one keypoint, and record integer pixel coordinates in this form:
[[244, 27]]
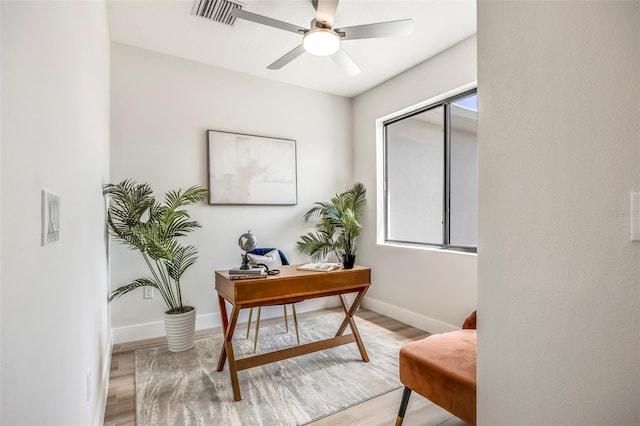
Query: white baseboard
[[132, 333], [155, 329], [413, 319], [151, 330]]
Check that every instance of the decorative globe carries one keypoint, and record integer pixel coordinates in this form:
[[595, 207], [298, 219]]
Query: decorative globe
[[247, 241]]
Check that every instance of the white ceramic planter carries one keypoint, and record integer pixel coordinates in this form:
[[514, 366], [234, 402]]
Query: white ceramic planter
[[180, 329]]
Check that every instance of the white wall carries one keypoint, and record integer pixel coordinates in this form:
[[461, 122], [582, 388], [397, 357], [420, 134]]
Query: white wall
[[162, 107], [55, 135], [559, 153], [433, 290]]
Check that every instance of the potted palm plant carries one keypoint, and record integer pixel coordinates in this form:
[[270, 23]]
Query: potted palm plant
[[338, 226], [136, 219]]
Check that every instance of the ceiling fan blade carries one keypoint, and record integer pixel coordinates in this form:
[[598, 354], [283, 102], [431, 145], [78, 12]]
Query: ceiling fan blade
[[327, 11], [288, 57], [380, 29], [254, 17], [345, 63]]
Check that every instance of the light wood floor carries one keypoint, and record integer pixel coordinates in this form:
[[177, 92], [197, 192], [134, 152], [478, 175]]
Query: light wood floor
[[380, 411]]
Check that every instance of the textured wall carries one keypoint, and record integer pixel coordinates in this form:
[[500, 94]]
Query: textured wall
[[55, 135], [431, 289], [559, 153]]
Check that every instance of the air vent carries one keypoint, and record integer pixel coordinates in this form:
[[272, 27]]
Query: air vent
[[217, 10]]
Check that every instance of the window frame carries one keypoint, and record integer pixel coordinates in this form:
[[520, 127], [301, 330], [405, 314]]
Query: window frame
[[446, 208]]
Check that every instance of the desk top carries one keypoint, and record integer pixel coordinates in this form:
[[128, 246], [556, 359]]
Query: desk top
[[291, 285]]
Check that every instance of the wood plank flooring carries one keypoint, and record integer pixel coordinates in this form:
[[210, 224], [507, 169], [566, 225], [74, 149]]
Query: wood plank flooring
[[380, 411]]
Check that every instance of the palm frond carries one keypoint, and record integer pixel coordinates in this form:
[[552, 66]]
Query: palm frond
[[316, 245], [176, 199], [315, 211], [140, 282], [180, 226], [195, 194], [131, 200], [183, 258], [338, 224], [358, 199], [158, 246], [137, 220]]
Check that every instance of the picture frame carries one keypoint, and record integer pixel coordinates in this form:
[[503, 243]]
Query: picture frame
[[251, 170]]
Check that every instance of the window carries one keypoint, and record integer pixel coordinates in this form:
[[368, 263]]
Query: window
[[430, 160]]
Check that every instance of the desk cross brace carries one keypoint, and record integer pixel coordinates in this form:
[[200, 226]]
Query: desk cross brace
[[236, 365]]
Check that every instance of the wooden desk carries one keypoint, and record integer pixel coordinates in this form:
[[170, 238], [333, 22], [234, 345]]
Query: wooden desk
[[289, 286]]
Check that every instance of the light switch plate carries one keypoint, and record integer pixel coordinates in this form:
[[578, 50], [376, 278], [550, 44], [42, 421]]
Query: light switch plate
[[147, 292], [50, 217]]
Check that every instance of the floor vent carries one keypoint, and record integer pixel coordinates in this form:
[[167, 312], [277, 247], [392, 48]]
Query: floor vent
[[217, 10]]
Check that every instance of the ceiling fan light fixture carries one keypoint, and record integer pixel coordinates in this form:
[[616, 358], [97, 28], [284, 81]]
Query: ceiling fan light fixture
[[321, 42]]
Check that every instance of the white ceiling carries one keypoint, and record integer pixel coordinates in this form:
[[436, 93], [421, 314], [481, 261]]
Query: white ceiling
[[168, 27]]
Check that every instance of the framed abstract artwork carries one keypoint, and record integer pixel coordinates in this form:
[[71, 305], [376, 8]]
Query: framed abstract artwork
[[248, 169]]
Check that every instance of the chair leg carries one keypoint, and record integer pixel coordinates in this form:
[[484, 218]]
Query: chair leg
[[249, 322], [295, 321], [403, 406], [255, 339], [286, 321]]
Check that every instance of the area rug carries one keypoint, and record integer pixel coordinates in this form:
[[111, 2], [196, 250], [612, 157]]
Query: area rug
[[185, 388]]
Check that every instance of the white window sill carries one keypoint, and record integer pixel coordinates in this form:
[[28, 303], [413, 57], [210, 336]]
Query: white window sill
[[427, 248]]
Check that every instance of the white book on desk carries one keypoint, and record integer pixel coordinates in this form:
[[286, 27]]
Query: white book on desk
[[246, 277], [247, 274], [250, 271], [319, 266]]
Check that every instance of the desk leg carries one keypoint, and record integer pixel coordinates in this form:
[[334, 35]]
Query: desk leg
[[349, 313], [225, 326], [352, 323], [233, 371], [227, 350]]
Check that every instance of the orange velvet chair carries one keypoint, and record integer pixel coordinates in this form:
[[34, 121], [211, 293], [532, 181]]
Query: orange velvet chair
[[442, 368]]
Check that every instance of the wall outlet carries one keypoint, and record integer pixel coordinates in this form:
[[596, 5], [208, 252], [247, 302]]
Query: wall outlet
[[148, 292]]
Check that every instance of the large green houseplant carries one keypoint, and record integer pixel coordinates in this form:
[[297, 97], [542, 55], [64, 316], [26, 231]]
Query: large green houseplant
[[143, 224], [338, 226]]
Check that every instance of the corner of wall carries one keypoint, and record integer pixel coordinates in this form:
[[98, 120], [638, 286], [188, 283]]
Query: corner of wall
[[100, 406], [423, 322]]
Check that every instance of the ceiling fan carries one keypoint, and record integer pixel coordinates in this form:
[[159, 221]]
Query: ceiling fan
[[324, 40]]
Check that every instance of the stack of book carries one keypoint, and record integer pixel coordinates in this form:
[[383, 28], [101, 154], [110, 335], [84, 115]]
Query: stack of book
[[247, 274]]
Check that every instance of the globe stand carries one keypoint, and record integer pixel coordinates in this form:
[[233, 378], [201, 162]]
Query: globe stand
[[245, 262]]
